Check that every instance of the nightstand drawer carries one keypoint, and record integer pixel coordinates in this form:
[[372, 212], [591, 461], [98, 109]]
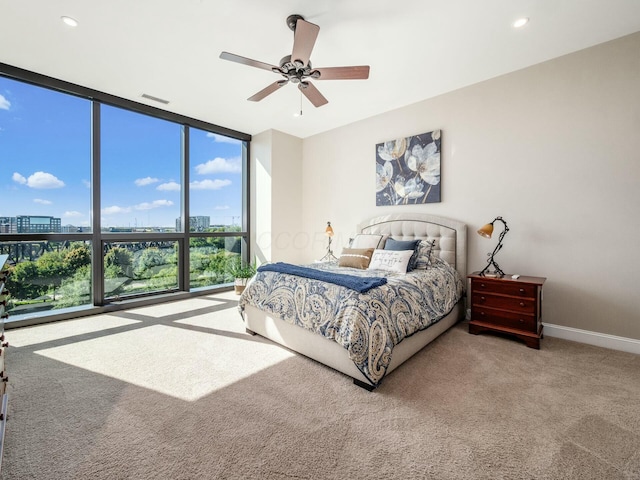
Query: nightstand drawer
[[506, 288], [506, 319], [527, 305]]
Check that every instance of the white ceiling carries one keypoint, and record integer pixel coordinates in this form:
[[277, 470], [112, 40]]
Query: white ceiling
[[417, 49]]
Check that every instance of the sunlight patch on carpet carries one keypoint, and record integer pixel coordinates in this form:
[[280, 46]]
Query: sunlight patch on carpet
[[182, 363], [23, 337], [233, 321], [172, 308]]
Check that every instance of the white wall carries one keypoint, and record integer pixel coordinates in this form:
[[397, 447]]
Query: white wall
[[554, 149], [276, 210]]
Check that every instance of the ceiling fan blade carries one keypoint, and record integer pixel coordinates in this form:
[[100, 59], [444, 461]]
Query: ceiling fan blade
[[312, 93], [304, 38], [268, 90], [247, 61], [342, 73]]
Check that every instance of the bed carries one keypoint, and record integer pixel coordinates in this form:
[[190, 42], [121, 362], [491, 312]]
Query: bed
[[265, 316]]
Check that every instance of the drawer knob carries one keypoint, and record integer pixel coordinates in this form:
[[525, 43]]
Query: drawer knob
[[522, 320], [522, 290], [482, 299], [482, 285], [522, 304], [482, 314]]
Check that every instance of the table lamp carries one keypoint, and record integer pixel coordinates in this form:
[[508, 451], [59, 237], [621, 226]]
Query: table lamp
[[329, 257], [486, 232]]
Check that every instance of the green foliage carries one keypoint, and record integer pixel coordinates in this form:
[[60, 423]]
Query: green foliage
[[77, 256], [52, 267], [149, 261], [64, 272], [23, 281], [209, 267], [75, 290], [117, 261], [239, 269]]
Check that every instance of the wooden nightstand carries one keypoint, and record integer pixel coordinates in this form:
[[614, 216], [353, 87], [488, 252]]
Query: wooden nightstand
[[507, 305]]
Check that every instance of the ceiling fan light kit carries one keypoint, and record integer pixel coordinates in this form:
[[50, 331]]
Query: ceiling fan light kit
[[297, 69]]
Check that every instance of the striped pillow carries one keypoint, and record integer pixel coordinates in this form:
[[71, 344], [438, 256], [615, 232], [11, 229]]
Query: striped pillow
[[425, 250], [355, 257]]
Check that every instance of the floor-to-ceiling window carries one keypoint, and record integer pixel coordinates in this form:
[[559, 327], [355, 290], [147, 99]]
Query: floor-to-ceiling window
[[45, 177], [216, 202], [140, 187], [107, 201]]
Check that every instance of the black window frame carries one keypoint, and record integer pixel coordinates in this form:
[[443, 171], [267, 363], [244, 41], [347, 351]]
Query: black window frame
[[97, 237]]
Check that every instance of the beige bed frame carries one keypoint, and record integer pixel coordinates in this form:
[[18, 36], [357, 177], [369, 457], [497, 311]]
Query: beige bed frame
[[451, 240]]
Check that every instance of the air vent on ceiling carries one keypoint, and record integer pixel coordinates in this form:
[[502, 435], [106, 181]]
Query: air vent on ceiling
[[155, 99]]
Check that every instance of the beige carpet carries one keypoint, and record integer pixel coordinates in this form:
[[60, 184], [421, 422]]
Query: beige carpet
[[181, 392]]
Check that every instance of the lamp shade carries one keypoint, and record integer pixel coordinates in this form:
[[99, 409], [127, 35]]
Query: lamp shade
[[329, 230], [486, 231]]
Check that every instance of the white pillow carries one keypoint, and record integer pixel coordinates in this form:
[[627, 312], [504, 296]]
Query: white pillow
[[390, 260], [367, 240]]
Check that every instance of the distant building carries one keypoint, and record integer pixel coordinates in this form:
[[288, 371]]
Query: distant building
[[75, 229], [196, 224], [8, 225], [38, 224]]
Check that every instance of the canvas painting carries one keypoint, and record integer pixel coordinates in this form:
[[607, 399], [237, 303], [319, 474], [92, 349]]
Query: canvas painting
[[408, 170]]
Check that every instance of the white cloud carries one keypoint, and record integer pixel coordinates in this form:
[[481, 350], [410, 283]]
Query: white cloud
[[222, 139], [39, 180], [5, 104], [72, 213], [114, 210], [169, 187], [210, 184], [222, 207], [86, 183], [219, 165], [154, 204], [16, 177], [141, 182], [42, 202]]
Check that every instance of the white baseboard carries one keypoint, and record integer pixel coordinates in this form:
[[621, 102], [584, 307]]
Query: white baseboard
[[623, 344]]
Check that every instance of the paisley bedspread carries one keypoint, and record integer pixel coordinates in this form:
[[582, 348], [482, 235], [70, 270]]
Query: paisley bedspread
[[367, 324]]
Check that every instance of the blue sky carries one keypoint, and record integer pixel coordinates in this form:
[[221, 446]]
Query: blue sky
[[45, 149]]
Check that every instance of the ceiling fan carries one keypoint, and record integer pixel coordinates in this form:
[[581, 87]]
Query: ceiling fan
[[296, 68]]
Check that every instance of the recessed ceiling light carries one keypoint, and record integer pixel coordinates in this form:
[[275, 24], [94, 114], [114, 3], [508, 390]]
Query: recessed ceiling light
[[72, 22], [521, 22]]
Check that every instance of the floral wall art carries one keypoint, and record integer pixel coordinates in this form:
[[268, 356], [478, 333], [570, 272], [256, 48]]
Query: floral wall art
[[408, 170]]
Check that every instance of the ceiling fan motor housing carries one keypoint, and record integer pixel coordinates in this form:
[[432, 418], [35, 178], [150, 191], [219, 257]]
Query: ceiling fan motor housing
[[294, 72]]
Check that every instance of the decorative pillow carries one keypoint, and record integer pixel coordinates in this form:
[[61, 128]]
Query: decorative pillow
[[391, 260], [423, 256], [355, 257], [404, 245], [366, 240]]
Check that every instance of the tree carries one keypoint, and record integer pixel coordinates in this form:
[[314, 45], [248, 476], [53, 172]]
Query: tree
[[51, 270], [75, 290], [117, 262], [23, 281], [148, 262], [77, 256]]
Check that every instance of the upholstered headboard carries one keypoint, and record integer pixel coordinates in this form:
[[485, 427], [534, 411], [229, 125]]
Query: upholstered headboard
[[450, 235]]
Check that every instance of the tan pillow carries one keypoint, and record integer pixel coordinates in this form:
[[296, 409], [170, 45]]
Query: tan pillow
[[355, 257], [365, 240]]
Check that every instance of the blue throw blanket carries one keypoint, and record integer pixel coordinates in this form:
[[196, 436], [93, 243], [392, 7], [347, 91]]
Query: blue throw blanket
[[359, 284]]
